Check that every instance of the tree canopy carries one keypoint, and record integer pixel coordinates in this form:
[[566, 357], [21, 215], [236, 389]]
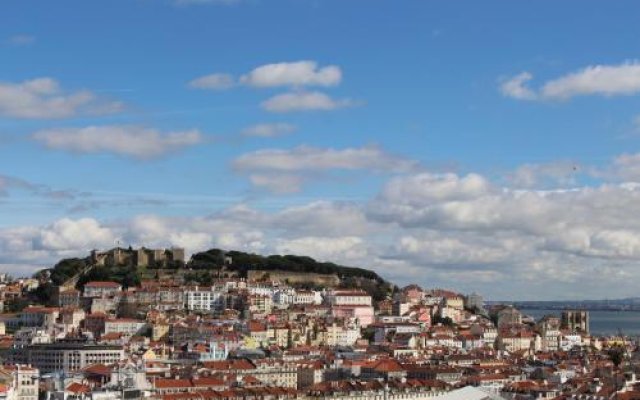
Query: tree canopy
[[243, 262]]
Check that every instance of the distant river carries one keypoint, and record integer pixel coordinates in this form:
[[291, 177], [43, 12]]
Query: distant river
[[601, 322]]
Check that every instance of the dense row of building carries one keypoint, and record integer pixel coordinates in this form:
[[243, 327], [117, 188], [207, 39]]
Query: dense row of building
[[239, 339]]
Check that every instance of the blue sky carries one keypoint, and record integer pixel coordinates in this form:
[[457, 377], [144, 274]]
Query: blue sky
[[479, 104]]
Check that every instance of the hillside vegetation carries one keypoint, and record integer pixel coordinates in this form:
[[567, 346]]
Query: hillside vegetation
[[243, 262], [205, 266]]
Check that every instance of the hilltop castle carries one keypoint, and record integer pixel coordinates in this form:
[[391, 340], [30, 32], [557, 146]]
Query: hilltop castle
[[141, 257]]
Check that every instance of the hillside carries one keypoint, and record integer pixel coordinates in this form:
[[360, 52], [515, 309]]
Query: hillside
[[240, 263], [205, 266]]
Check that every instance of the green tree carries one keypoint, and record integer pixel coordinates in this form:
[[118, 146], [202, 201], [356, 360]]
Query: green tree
[[616, 354]]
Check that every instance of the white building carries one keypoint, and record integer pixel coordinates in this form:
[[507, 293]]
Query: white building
[[39, 316], [261, 289], [284, 297], [23, 382], [125, 326], [204, 300], [570, 340], [348, 298], [334, 335], [66, 357], [307, 297], [101, 289]]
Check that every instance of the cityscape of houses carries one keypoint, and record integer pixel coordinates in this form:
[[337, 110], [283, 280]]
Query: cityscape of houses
[[242, 338]]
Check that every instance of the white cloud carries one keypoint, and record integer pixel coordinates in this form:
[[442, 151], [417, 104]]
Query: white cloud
[[324, 248], [331, 219], [21, 40], [213, 82], [516, 88], [73, 235], [306, 158], [269, 130], [42, 98], [285, 171], [455, 252], [124, 140], [559, 173], [426, 187], [603, 80], [519, 239], [625, 167], [300, 73], [288, 74], [441, 230], [462, 231], [304, 101], [606, 80], [295, 75]]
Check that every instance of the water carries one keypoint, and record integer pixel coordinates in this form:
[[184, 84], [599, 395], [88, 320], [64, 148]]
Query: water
[[601, 322]]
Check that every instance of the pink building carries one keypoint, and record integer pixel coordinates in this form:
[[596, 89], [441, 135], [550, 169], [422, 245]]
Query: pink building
[[364, 314]]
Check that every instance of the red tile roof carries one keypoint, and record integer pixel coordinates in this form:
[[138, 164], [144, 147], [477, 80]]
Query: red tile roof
[[78, 388], [172, 383]]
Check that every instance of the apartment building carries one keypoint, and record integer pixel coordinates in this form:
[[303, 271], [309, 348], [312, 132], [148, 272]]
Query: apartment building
[[22, 382], [67, 357], [125, 326], [101, 289], [39, 316], [348, 298], [204, 300], [336, 335]]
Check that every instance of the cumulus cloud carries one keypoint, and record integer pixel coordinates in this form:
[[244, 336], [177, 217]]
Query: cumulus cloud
[[517, 238], [460, 231], [41, 246], [269, 130], [465, 231], [299, 73], [605, 80], [42, 98], [125, 140], [424, 187], [238, 227], [296, 75], [602, 80], [291, 74], [328, 218], [304, 101], [451, 252], [558, 220], [73, 235]]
